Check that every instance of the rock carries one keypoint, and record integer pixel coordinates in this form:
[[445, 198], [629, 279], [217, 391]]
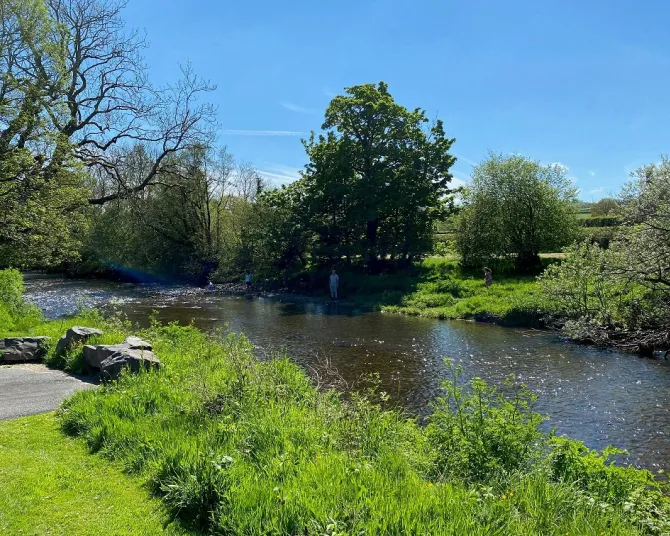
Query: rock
[[21, 349], [75, 335], [135, 343], [95, 355], [135, 360]]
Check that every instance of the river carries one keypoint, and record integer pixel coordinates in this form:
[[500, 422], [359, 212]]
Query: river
[[601, 397]]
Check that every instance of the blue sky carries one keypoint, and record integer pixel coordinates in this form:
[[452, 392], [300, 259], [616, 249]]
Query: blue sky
[[584, 83]]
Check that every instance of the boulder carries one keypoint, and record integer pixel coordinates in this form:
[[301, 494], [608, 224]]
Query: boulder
[[134, 360], [21, 349], [75, 335], [95, 355]]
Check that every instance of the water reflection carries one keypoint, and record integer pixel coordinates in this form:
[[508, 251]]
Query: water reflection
[[598, 396]]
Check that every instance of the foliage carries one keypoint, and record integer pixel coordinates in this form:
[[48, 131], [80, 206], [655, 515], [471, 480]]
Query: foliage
[[605, 207], [602, 221], [376, 182], [621, 296], [196, 217], [581, 286], [51, 485], [515, 209], [481, 434], [42, 190], [602, 236], [75, 103], [15, 313]]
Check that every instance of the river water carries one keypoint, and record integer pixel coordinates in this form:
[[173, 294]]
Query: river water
[[601, 397]]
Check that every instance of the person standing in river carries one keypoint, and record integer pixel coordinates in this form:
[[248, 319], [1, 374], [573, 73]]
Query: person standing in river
[[248, 279], [488, 277], [334, 283]]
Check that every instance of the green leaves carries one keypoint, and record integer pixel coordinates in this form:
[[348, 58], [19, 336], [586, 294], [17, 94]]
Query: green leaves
[[377, 181], [515, 209]]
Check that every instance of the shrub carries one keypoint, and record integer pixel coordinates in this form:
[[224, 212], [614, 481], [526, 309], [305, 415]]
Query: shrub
[[481, 434], [15, 313], [603, 221]]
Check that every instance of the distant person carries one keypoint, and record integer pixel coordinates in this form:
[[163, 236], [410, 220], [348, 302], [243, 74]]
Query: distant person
[[334, 283], [210, 286], [488, 277], [248, 279]]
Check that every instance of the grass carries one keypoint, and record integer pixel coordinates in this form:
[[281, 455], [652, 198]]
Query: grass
[[51, 485], [236, 446], [439, 288]]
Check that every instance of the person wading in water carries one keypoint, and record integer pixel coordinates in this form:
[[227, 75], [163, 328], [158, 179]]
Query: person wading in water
[[334, 283]]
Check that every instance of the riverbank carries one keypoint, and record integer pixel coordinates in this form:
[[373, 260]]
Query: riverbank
[[234, 445], [435, 287]]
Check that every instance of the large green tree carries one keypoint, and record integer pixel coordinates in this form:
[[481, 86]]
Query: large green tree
[[43, 189], [514, 209], [75, 100], [377, 180]]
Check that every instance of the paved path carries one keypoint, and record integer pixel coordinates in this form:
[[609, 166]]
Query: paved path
[[29, 389]]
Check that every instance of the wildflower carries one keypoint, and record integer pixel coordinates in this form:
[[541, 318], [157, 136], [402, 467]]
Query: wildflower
[[430, 484]]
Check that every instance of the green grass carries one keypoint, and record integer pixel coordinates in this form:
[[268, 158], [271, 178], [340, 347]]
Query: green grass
[[237, 446], [439, 288], [50, 485]]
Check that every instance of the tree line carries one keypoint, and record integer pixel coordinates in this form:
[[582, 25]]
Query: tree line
[[102, 170]]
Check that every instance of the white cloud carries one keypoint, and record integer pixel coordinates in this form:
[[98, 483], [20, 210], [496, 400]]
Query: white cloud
[[279, 173], [592, 173], [328, 93], [232, 132], [466, 160], [296, 108], [597, 191]]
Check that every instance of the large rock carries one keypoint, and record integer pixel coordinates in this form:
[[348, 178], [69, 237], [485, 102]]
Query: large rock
[[134, 360], [95, 355], [21, 349], [75, 335]]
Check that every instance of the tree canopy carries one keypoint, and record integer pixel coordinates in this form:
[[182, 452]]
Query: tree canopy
[[514, 209], [75, 101], [376, 181]]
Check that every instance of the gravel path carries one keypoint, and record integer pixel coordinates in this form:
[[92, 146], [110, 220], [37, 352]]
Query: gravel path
[[28, 389]]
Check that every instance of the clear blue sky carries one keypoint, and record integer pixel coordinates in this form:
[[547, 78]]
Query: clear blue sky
[[584, 83]]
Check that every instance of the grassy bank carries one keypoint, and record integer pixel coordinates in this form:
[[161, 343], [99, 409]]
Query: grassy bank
[[51, 485], [440, 288], [236, 446]]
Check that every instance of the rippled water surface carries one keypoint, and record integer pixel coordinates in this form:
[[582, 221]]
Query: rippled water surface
[[601, 397]]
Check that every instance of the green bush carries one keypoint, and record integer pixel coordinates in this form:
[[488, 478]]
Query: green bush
[[481, 434], [604, 221], [15, 313], [602, 236]]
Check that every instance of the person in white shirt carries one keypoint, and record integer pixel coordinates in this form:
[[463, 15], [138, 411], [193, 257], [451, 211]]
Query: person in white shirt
[[334, 282]]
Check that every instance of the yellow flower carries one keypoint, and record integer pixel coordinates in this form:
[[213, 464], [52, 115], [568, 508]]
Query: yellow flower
[[430, 484]]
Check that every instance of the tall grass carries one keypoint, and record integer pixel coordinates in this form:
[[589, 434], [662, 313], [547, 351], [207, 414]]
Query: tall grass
[[446, 291], [238, 446]]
